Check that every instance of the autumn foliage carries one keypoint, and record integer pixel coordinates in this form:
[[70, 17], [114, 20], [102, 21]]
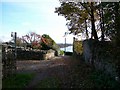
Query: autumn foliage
[[33, 40], [37, 41]]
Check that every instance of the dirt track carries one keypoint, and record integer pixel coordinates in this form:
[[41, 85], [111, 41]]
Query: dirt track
[[37, 65], [57, 67], [71, 72]]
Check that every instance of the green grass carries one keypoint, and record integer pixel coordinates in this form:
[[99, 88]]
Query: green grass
[[17, 81], [50, 82], [61, 52]]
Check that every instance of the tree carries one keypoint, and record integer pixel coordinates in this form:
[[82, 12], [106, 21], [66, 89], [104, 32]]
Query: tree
[[33, 40], [44, 42], [112, 20], [18, 42], [79, 14], [50, 43], [94, 33], [101, 11], [117, 22]]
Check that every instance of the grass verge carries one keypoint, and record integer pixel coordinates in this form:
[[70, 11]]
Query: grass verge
[[17, 80]]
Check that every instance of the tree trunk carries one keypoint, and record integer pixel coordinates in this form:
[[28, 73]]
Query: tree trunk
[[86, 29], [94, 33], [103, 36]]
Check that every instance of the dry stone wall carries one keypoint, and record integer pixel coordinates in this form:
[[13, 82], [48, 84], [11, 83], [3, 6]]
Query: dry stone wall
[[96, 54], [35, 54], [8, 61], [99, 54]]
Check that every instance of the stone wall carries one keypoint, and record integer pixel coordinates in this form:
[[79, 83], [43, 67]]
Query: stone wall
[[35, 54], [98, 54], [50, 54], [8, 61], [87, 54]]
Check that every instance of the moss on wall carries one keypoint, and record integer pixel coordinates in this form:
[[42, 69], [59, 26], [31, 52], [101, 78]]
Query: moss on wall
[[78, 48]]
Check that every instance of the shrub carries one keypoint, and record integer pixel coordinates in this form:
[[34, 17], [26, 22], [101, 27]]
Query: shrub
[[78, 48], [61, 52]]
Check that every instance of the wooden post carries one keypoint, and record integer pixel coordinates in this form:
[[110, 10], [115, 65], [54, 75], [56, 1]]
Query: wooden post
[[65, 40], [65, 44], [0, 66], [15, 49], [14, 35], [73, 43]]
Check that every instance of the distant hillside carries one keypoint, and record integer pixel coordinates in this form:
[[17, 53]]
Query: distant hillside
[[61, 45]]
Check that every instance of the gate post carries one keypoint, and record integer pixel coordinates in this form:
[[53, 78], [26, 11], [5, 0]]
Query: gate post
[[0, 66], [14, 35]]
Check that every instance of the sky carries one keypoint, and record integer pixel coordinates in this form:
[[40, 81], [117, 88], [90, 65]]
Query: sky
[[24, 16]]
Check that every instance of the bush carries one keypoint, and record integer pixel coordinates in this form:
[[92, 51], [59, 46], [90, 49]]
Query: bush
[[78, 48], [61, 52]]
